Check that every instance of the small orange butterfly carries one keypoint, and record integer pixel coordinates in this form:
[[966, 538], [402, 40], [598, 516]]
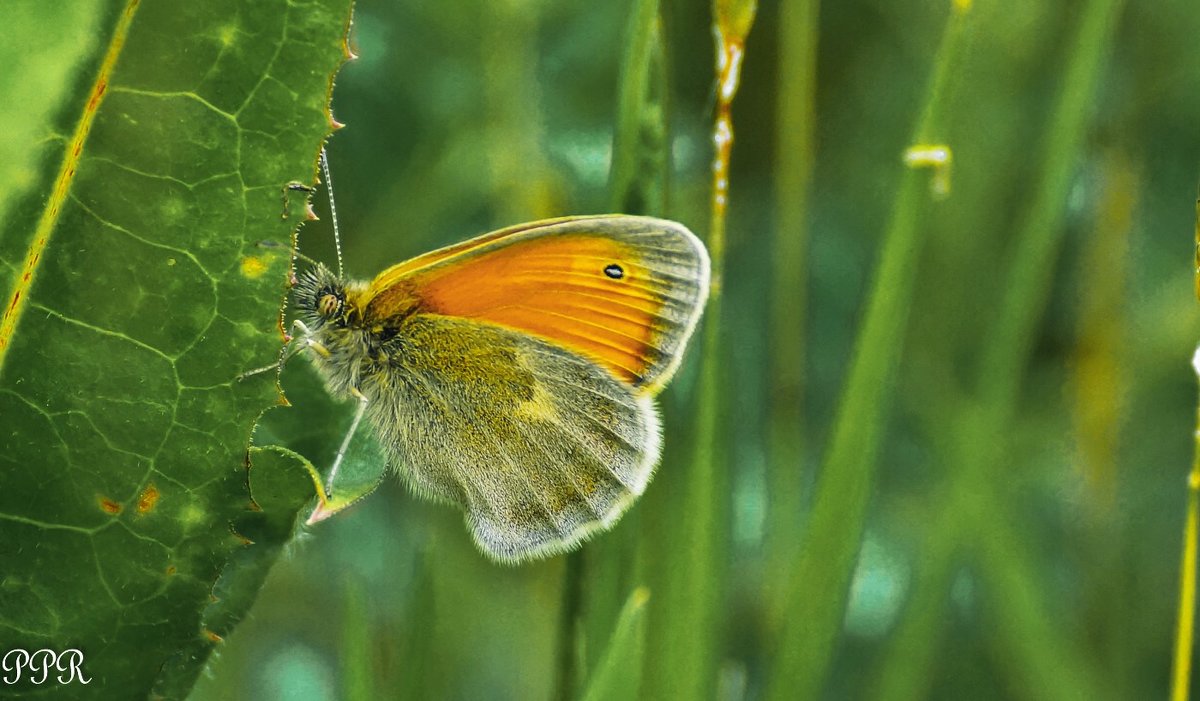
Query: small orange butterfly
[[513, 374]]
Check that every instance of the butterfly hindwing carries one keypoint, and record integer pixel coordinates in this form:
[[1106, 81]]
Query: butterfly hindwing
[[539, 445]]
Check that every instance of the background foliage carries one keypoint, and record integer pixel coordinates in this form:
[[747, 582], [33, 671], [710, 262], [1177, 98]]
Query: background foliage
[[1002, 518], [1021, 516]]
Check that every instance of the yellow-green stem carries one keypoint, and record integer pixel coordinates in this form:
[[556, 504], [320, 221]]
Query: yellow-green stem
[[1181, 672]]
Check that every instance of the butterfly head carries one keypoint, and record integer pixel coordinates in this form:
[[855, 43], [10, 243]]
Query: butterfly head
[[321, 296]]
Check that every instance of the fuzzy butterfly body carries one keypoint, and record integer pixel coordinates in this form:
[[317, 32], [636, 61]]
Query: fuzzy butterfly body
[[513, 374]]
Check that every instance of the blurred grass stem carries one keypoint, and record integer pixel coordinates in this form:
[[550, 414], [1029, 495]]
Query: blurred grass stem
[[795, 117], [1045, 654], [821, 577], [690, 595]]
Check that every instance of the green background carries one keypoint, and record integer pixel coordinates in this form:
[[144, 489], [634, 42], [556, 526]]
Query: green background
[[952, 433], [1046, 571]]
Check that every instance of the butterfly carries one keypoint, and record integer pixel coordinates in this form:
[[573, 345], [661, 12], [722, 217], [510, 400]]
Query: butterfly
[[513, 374]]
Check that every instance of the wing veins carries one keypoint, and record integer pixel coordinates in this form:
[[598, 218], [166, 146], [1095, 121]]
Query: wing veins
[[498, 449], [605, 428], [627, 291], [674, 302], [588, 323], [445, 410], [618, 402], [608, 283]]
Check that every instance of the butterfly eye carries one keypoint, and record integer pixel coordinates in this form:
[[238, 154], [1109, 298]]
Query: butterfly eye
[[329, 305], [614, 271]]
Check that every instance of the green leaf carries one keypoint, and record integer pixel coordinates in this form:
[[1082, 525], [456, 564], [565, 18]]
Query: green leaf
[[149, 160], [314, 426]]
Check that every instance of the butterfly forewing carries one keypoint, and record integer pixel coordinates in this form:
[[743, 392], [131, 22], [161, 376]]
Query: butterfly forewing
[[623, 291]]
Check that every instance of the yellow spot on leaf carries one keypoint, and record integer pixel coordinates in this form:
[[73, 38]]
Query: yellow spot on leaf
[[170, 570], [109, 506], [191, 515], [147, 499], [253, 266], [173, 209]]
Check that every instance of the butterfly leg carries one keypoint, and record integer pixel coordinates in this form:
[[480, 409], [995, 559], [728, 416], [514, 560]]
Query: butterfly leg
[[290, 348], [308, 340], [337, 461]]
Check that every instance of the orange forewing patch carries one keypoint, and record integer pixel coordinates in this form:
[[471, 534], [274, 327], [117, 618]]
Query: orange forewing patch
[[554, 287], [398, 272]]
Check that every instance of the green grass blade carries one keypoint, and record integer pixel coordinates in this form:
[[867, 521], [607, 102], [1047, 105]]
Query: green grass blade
[[618, 676], [1043, 656], [789, 294], [689, 578], [821, 576], [1185, 616], [641, 163], [357, 677], [1040, 235]]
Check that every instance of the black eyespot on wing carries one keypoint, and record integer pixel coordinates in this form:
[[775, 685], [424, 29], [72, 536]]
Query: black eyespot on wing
[[614, 271]]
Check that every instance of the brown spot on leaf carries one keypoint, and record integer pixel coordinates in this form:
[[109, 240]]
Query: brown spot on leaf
[[147, 499], [109, 506], [213, 637]]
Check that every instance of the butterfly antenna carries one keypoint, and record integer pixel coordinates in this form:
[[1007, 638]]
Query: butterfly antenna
[[337, 238]]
